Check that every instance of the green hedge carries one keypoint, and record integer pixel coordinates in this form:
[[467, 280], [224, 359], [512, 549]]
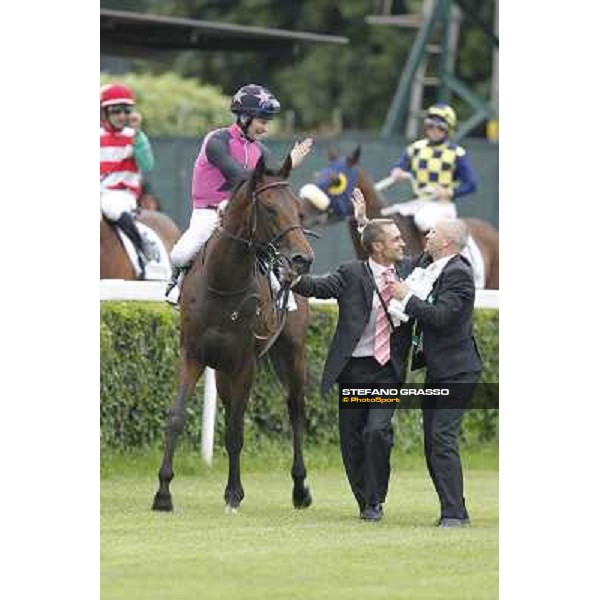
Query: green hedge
[[173, 105], [139, 356]]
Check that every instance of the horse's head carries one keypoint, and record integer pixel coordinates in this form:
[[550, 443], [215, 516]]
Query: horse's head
[[331, 194], [270, 212]]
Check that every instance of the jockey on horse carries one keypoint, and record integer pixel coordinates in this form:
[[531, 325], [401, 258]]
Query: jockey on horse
[[440, 172], [227, 157], [125, 153]]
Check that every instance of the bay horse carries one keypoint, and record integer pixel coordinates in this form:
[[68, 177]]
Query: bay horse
[[230, 317], [338, 178], [114, 262]]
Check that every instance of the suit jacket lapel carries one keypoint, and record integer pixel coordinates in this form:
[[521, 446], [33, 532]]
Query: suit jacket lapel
[[438, 281], [367, 286]]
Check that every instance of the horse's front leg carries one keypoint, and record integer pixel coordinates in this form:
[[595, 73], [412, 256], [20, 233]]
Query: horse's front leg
[[235, 396], [190, 371], [288, 358], [301, 496]]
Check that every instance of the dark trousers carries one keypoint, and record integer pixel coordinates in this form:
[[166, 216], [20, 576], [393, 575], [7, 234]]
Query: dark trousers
[[441, 431], [366, 434]]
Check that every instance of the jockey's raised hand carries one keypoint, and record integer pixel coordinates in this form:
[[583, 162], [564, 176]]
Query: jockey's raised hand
[[135, 120], [300, 151]]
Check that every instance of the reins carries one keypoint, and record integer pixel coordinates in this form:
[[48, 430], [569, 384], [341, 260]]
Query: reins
[[268, 259]]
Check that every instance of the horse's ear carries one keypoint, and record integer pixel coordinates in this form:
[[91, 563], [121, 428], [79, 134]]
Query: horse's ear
[[354, 157], [258, 173], [331, 153], [286, 167]]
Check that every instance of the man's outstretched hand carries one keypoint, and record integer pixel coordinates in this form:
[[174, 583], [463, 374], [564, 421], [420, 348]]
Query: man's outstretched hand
[[360, 207]]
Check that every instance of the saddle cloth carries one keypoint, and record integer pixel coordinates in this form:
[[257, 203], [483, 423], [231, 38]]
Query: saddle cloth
[[156, 270]]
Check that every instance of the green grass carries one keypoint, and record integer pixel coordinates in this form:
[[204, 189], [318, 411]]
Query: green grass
[[269, 550]]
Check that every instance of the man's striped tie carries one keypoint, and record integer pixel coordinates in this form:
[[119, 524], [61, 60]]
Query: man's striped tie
[[381, 349]]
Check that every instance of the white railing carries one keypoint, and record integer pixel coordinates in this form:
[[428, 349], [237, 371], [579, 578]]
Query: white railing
[[154, 291], [117, 289]]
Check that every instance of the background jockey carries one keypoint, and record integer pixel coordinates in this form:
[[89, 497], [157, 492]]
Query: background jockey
[[227, 156], [440, 170], [125, 154]]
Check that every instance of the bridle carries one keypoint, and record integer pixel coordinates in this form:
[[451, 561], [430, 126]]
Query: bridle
[[268, 258], [251, 243]]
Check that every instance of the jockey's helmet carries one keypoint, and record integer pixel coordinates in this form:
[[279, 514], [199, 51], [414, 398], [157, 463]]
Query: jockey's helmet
[[441, 114], [255, 101], [115, 93]]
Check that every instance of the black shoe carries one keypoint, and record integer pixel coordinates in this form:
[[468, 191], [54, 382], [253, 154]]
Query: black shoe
[[373, 513], [361, 506], [447, 522]]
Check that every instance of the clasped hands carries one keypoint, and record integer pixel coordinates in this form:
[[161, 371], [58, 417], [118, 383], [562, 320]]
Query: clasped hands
[[399, 289]]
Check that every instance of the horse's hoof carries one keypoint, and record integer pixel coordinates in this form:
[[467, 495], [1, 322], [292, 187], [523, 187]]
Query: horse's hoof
[[303, 499], [162, 502], [231, 510]]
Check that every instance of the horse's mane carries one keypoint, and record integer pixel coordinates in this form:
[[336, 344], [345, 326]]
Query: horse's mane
[[237, 187]]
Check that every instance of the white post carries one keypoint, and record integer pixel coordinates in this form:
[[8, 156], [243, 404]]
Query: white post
[[209, 409]]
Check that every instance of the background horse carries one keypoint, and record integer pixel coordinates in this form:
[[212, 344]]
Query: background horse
[[229, 318], [341, 175], [114, 262]]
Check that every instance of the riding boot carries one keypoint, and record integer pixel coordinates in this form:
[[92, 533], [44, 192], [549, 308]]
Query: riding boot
[[126, 223]]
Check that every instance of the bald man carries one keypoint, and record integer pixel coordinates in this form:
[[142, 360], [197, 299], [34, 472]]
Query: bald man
[[447, 349]]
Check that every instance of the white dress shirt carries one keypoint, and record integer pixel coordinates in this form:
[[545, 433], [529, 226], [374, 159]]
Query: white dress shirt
[[367, 341], [420, 282]]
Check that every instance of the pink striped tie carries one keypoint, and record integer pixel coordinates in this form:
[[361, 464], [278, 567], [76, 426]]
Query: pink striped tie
[[381, 349]]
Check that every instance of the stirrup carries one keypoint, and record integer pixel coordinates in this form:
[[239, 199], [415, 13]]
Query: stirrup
[[172, 297], [177, 277], [174, 280]]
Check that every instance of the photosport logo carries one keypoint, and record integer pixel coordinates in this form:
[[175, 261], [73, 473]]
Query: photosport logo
[[419, 395]]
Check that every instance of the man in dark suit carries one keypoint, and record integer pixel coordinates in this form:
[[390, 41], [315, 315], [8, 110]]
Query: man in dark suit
[[364, 351], [448, 350]]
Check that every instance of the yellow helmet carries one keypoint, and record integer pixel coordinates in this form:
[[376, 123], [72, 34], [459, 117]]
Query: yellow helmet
[[442, 112]]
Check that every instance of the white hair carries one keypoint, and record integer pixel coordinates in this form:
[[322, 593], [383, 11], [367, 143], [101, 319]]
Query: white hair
[[456, 231]]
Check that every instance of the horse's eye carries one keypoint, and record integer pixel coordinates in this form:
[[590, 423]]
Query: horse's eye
[[271, 211]]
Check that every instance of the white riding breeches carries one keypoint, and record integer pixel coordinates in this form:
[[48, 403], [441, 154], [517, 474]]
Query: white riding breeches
[[202, 223], [113, 203], [427, 212]]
